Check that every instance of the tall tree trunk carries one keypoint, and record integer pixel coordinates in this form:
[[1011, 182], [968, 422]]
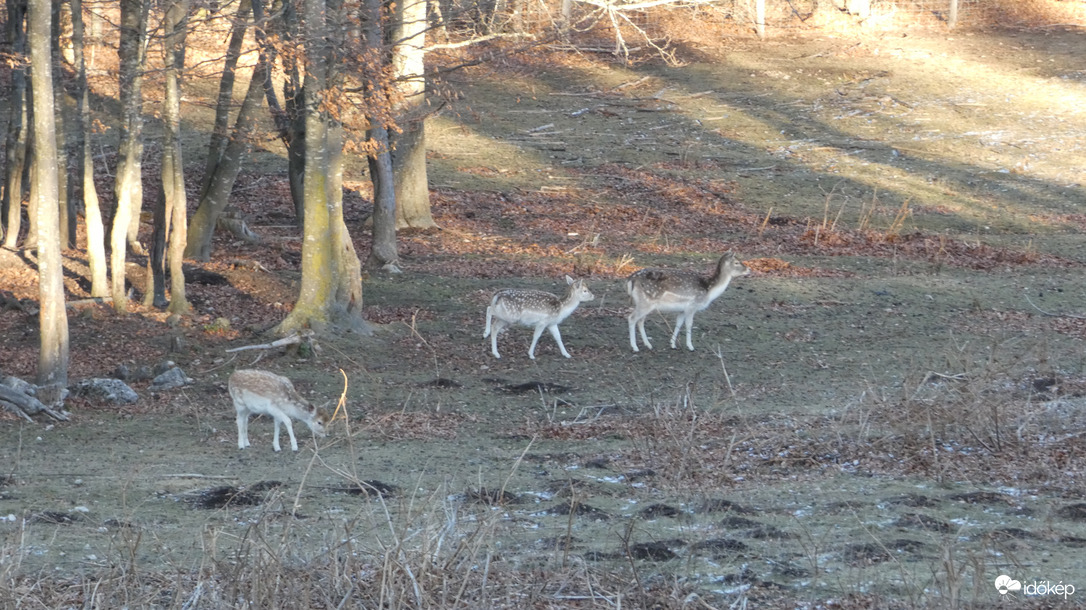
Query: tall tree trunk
[[61, 110], [52, 317], [408, 35], [217, 194], [331, 288], [16, 145], [173, 167], [81, 187], [294, 105], [172, 192], [129, 184], [219, 130], [383, 252], [268, 54]]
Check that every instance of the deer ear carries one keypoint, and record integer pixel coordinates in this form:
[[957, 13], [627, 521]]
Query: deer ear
[[569, 280]]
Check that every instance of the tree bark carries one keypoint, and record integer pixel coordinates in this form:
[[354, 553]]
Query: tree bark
[[129, 185], [217, 194], [81, 168], [16, 145], [408, 38], [220, 128], [268, 54], [173, 178], [383, 253], [170, 207], [61, 111], [52, 317], [331, 287]]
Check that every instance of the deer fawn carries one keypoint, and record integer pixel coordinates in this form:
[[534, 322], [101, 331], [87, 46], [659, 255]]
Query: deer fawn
[[535, 308], [264, 393], [681, 292]]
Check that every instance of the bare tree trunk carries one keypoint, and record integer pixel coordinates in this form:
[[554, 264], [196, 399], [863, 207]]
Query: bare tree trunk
[[294, 106], [408, 38], [16, 145], [331, 288], [61, 110], [219, 130], [268, 55], [52, 317], [173, 166], [129, 185], [347, 304], [171, 195], [217, 193], [81, 187], [383, 252]]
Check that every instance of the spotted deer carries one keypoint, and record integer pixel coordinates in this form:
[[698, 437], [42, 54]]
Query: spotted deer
[[262, 393], [536, 308], [680, 292]]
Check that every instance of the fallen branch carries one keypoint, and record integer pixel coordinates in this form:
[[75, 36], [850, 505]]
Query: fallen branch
[[25, 405], [1054, 315], [291, 340]]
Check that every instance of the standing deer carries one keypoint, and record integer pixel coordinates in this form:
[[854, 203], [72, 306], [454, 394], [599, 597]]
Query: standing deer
[[535, 308], [263, 393], [681, 292]]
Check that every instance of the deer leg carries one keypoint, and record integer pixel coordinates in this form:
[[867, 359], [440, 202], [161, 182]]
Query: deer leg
[[678, 326], [689, 326], [641, 327], [290, 433], [495, 331], [243, 430], [558, 338], [535, 339]]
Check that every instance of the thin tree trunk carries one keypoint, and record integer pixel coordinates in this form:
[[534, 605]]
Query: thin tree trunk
[[268, 55], [220, 128], [173, 168], [52, 317], [16, 145], [383, 252], [81, 168], [294, 102], [217, 194], [61, 110], [128, 186]]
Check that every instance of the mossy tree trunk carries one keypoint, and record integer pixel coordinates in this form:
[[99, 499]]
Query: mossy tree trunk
[[331, 289]]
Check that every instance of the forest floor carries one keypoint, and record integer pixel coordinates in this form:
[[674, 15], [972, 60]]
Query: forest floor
[[889, 412]]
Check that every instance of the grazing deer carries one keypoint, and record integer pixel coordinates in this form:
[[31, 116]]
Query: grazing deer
[[681, 292], [535, 308], [264, 393]]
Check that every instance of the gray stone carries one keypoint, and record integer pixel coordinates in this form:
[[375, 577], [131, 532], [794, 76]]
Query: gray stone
[[112, 391]]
